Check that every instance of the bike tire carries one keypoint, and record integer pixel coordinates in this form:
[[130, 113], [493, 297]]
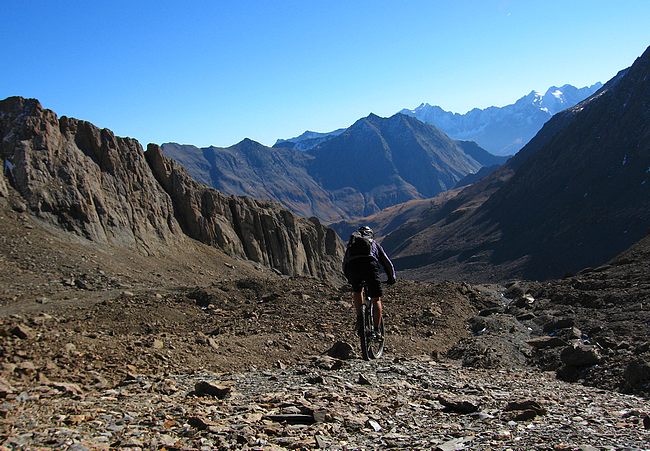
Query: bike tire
[[375, 347], [370, 348], [364, 336]]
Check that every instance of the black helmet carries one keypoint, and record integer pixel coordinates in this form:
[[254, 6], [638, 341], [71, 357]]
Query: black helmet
[[366, 231]]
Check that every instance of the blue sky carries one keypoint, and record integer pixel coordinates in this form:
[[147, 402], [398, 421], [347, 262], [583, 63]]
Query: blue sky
[[215, 72]]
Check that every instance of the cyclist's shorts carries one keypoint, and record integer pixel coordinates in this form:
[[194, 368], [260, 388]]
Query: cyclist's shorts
[[360, 271]]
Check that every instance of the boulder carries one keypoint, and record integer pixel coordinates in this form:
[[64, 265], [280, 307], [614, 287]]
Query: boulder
[[463, 406], [204, 388], [546, 342], [23, 332], [514, 291], [636, 374], [527, 405], [580, 355], [559, 323], [341, 350]]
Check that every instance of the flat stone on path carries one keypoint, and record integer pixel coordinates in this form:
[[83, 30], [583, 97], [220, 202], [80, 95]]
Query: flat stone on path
[[204, 388]]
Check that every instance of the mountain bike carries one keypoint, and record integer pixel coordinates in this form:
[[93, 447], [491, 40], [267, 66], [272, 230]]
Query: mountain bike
[[372, 344]]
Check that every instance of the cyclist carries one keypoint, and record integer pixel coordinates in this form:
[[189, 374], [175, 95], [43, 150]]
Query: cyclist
[[363, 256]]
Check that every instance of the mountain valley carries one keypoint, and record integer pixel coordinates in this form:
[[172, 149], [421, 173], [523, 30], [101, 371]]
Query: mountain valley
[[141, 308], [574, 197], [107, 348]]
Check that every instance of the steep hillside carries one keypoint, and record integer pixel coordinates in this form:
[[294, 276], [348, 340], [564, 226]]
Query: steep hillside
[[504, 130], [575, 196], [375, 163], [251, 169], [259, 231], [85, 180]]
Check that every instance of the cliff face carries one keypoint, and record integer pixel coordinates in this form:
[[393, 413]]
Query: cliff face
[[83, 179], [256, 230], [106, 189]]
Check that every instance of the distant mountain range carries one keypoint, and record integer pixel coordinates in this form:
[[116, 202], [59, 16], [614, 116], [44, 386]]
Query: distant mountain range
[[575, 196], [504, 130], [375, 163], [499, 130]]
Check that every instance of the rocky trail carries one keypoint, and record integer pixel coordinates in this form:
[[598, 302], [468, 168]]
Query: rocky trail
[[326, 403]]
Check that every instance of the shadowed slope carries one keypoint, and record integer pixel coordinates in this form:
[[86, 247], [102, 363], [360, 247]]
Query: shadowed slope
[[575, 196]]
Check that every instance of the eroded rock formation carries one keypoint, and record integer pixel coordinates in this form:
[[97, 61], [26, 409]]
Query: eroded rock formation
[[84, 179], [257, 230], [90, 182]]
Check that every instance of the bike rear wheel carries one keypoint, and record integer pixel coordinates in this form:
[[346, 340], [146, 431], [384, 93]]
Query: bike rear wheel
[[372, 345]]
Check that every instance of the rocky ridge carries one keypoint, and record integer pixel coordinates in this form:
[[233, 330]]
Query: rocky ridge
[[83, 179], [99, 186], [260, 231]]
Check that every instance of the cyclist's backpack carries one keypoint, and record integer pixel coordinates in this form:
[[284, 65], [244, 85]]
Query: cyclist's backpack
[[359, 246]]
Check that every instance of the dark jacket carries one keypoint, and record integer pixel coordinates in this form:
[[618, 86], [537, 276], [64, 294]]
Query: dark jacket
[[377, 254]]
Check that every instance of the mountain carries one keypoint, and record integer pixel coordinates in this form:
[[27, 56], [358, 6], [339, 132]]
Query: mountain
[[375, 163], [576, 195], [252, 169], [388, 161], [76, 177], [504, 130], [307, 140]]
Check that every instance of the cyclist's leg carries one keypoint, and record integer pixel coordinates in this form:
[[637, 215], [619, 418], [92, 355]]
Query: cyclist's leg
[[376, 312], [355, 278], [357, 299], [375, 291]]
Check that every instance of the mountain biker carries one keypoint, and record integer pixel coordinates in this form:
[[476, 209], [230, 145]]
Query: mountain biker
[[363, 256]]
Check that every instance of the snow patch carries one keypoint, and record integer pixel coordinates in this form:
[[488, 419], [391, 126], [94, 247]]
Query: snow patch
[[557, 94]]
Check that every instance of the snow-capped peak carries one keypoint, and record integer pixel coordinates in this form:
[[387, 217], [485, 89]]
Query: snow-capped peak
[[504, 130]]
